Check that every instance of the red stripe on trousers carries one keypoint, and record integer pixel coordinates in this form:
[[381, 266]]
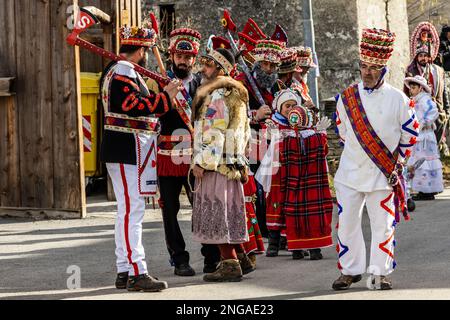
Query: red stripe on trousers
[[127, 217]]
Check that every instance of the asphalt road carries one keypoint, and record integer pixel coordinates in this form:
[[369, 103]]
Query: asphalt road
[[39, 258]]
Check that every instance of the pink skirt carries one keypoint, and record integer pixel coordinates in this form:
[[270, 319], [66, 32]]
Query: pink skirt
[[218, 214]]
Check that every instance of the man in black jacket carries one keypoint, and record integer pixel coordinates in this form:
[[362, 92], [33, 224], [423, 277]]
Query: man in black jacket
[[130, 133], [175, 151]]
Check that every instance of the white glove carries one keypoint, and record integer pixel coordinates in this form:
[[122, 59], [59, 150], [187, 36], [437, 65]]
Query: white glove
[[323, 124]]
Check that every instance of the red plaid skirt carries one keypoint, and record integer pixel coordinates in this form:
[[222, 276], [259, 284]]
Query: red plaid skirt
[[308, 204], [255, 243]]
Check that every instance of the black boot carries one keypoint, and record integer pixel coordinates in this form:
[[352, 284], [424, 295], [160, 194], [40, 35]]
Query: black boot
[[283, 243], [121, 280], [315, 254], [298, 254], [274, 244]]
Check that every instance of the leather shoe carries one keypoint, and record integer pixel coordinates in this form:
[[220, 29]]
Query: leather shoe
[[184, 270]]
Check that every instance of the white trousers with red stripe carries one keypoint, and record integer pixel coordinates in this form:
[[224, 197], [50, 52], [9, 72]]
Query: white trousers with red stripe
[[130, 214], [351, 246]]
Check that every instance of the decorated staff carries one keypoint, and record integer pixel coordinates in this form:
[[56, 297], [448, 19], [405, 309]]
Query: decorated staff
[[229, 27]]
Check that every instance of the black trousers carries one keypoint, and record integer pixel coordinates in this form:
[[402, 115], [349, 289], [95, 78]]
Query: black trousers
[[170, 190], [260, 207]]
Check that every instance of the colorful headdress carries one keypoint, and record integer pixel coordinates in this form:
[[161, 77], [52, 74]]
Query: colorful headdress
[[301, 118], [138, 36], [305, 57], [288, 61], [280, 35], [376, 46], [268, 50], [220, 53], [283, 96], [425, 39], [250, 36], [185, 40]]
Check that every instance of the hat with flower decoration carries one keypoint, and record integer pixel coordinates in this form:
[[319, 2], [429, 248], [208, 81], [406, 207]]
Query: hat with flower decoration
[[138, 36], [289, 61], [268, 50], [184, 40], [376, 46]]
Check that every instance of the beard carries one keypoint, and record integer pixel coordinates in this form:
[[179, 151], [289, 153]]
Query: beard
[[181, 73], [422, 63], [143, 63], [264, 80]]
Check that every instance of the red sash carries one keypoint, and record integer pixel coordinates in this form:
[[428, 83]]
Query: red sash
[[374, 147]]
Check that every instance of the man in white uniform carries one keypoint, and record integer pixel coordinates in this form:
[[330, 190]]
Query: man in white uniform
[[377, 124], [129, 150]]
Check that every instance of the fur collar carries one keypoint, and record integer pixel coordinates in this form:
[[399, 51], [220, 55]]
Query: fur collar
[[220, 82]]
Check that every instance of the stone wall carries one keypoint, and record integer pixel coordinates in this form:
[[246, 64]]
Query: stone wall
[[337, 25], [435, 11]]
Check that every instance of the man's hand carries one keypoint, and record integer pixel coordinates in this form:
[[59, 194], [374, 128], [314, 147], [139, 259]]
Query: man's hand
[[263, 113], [173, 88], [198, 171]]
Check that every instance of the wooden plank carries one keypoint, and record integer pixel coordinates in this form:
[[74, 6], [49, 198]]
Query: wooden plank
[[9, 131], [139, 12], [68, 182], [9, 153], [34, 98], [6, 86], [117, 25], [108, 7]]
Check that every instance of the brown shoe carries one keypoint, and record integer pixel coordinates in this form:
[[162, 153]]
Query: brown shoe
[[385, 283], [344, 281], [246, 263], [228, 271], [146, 283]]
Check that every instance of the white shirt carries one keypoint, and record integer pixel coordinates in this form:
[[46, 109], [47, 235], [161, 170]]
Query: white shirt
[[393, 120]]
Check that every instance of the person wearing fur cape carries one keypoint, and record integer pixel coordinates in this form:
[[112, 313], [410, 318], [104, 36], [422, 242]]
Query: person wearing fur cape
[[222, 132]]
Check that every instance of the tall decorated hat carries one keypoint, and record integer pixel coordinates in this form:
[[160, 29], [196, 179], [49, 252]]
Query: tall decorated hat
[[424, 39], [305, 57], [376, 46], [184, 40], [268, 50], [138, 36], [250, 35], [280, 35], [289, 61]]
